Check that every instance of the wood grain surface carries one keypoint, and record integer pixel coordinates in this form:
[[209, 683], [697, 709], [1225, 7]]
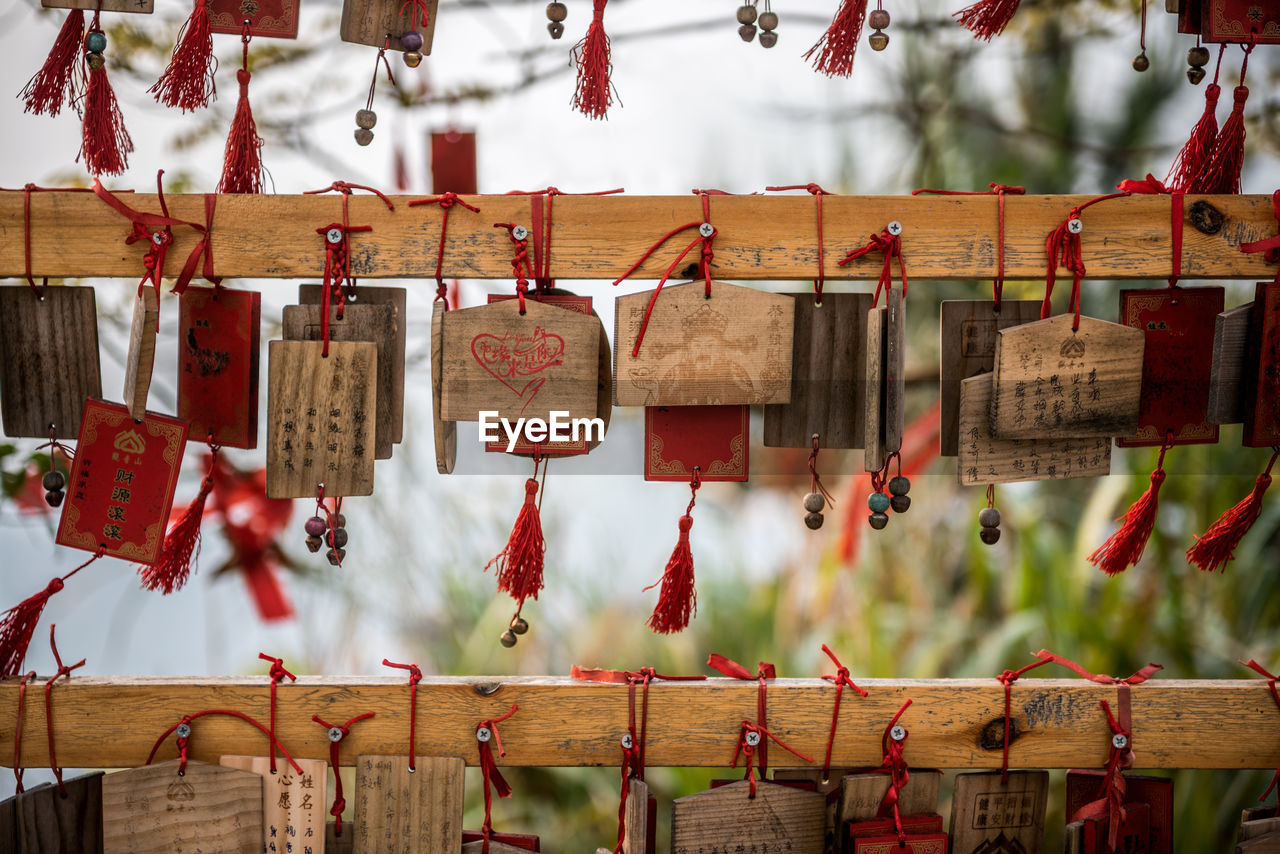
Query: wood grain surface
[[873, 432], [895, 365], [293, 805], [984, 808], [445, 432], [141, 358], [1226, 376], [862, 794], [599, 237], [49, 822], [145, 7], [372, 21], [399, 811], [111, 722], [728, 819]]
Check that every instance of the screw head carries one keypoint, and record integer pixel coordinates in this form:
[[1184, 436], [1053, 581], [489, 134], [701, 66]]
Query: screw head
[[895, 228], [898, 733], [484, 734], [333, 235], [519, 232], [706, 229], [1074, 225], [1119, 741], [157, 237], [335, 734], [628, 742], [183, 731], [753, 738]]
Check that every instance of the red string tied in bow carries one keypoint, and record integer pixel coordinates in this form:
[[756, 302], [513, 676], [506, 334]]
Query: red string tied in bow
[[842, 680], [1271, 678], [678, 598], [520, 563], [18, 624], [63, 671], [486, 732], [181, 548], [889, 243], [753, 738], [838, 44], [446, 201], [594, 93], [1186, 173], [338, 732], [62, 77], [277, 674], [242, 170], [1124, 548], [1221, 172], [764, 672], [1217, 546], [105, 143], [187, 81]]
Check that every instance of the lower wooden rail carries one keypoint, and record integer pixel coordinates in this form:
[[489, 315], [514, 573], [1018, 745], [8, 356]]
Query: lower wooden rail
[[112, 722]]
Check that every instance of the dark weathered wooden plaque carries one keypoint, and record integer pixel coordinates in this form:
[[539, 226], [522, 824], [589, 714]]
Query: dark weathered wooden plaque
[[141, 358], [874, 415], [1226, 377], [50, 822], [445, 432], [726, 818], [987, 813], [371, 22]]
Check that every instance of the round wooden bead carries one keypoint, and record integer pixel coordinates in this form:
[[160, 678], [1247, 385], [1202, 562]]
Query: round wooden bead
[[1141, 63], [557, 11], [814, 502], [507, 638], [366, 118], [53, 480], [813, 520], [878, 41], [412, 58], [878, 521], [54, 497], [899, 485], [1198, 56], [989, 517], [900, 503], [768, 38], [556, 29], [747, 32], [411, 40], [339, 520], [878, 19], [339, 537], [877, 502], [96, 61], [746, 14], [519, 625], [314, 544], [364, 136], [769, 21], [990, 536], [1195, 75], [95, 42], [316, 526]]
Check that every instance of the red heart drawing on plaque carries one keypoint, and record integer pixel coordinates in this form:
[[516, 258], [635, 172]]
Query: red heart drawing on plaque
[[514, 355]]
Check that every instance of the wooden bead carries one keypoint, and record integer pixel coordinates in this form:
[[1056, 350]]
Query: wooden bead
[[814, 502], [989, 517], [53, 480], [1198, 56], [878, 19], [746, 14], [316, 526], [557, 11], [769, 21], [411, 40], [813, 520], [339, 538], [877, 502], [899, 485], [366, 118]]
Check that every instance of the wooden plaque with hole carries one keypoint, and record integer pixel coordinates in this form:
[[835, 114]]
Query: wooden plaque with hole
[[56, 822], [144, 7], [874, 416], [398, 812], [726, 819], [371, 22], [734, 348], [445, 432], [320, 421], [48, 360], [1262, 387], [968, 348], [1226, 376], [294, 807], [828, 367], [1051, 382], [141, 358], [862, 794], [988, 814], [372, 323]]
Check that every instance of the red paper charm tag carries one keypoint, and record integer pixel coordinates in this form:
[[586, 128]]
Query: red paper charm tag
[[272, 18], [911, 843], [122, 482], [1152, 793], [453, 162], [1262, 360], [218, 364], [715, 439]]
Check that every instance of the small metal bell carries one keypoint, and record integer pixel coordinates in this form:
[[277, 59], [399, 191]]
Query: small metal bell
[[878, 40], [1195, 75], [54, 497], [314, 544], [556, 29], [519, 625], [507, 638], [96, 61], [990, 536], [364, 136], [813, 521], [412, 58], [878, 520], [768, 38], [336, 556], [747, 32], [900, 503], [1140, 62]]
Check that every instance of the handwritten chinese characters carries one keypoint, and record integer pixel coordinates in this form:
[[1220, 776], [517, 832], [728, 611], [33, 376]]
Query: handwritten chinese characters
[[294, 807], [398, 812]]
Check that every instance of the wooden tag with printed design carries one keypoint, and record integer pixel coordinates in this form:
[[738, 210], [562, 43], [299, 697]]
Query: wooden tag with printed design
[[1052, 382], [716, 440], [991, 815], [141, 358], [144, 7], [1177, 360], [862, 794], [828, 367], [912, 843], [320, 418], [444, 432], [968, 348], [363, 322], [271, 18], [372, 21], [734, 348], [48, 360], [122, 482], [403, 812], [1262, 380], [1156, 793], [50, 821], [294, 807], [726, 819], [1226, 376], [913, 824], [152, 810], [984, 459], [218, 357]]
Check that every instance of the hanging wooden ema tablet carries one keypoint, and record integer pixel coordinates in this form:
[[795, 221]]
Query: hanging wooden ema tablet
[[990, 815], [984, 459], [1156, 793], [885, 380], [9, 823], [294, 807], [968, 348], [371, 323], [1226, 377], [445, 432], [152, 810], [399, 811], [411, 25], [271, 18], [716, 440], [142, 351], [53, 821], [734, 348], [1259, 835], [829, 788], [516, 366], [862, 794], [1262, 381], [828, 362], [218, 356], [145, 7], [873, 417], [48, 359], [321, 414], [726, 818], [1176, 362], [122, 482]]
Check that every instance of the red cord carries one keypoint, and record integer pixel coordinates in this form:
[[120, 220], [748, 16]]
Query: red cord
[[817, 192], [18, 770], [183, 741], [446, 201], [1007, 678], [278, 674], [339, 802], [493, 778], [415, 676], [841, 680]]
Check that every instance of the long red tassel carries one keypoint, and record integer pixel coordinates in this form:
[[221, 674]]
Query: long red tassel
[[677, 599], [1188, 166], [1222, 170], [62, 75], [1124, 548], [594, 94], [106, 144], [520, 563], [188, 82], [987, 19], [19, 622], [242, 164], [181, 545], [1217, 545], [839, 42]]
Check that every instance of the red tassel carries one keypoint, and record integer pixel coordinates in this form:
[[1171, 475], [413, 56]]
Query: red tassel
[[594, 93], [181, 547], [520, 563], [19, 624], [62, 75], [1190, 163], [1222, 170], [188, 82], [987, 18], [1124, 548], [677, 600], [1218, 544], [106, 144], [839, 42], [242, 165]]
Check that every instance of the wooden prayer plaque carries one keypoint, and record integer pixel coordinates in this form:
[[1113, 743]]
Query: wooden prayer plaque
[[988, 815], [398, 812], [446, 432], [1262, 388], [734, 348], [874, 416], [339, 843], [294, 808], [122, 480], [1240, 22], [519, 366], [142, 351], [49, 823], [829, 789], [968, 348], [723, 819], [1268, 843], [518, 842], [641, 830], [862, 794], [1053, 383], [1259, 827], [714, 439], [1226, 377], [828, 372], [218, 356], [1258, 813], [145, 7], [1155, 793], [396, 299], [985, 459], [151, 810], [320, 418], [915, 843], [372, 323], [1176, 361], [271, 18], [371, 21], [895, 345], [496, 846], [9, 824], [48, 360]]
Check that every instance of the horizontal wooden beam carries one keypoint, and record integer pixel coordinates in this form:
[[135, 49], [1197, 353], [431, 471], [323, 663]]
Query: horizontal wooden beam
[[599, 237], [113, 722]]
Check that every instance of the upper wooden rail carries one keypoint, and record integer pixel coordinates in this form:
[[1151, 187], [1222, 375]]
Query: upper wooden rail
[[112, 722], [598, 237]]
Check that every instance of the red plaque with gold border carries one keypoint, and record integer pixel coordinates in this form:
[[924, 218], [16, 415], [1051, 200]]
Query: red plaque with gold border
[[272, 18], [715, 439], [218, 356], [122, 482]]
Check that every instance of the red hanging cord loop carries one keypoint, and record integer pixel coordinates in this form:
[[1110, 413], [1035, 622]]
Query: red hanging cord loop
[[753, 738], [999, 191], [446, 201], [893, 745], [841, 680], [520, 265], [418, 6], [18, 770], [540, 218], [202, 253], [337, 732], [1269, 245], [1271, 678], [764, 672], [415, 676], [183, 741], [817, 192], [815, 481], [486, 732], [278, 674], [63, 671], [1007, 678], [889, 244]]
